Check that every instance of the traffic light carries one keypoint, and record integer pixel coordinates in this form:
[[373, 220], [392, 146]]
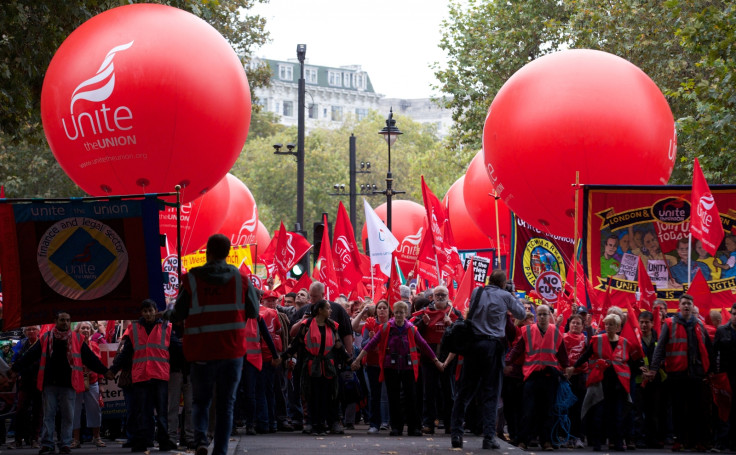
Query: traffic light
[[301, 267], [317, 233]]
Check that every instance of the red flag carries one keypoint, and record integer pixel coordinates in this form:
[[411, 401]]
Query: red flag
[[647, 293], [705, 220], [110, 331], [454, 265], [631, 331], [394, 282], [700, 291], [462, 299], [570, 293], [304, 282], [725, 315], [2, 191], [436, 218], [290, 247], [657, 322], [324, 268], [345, 252], [722, 394], [359, 293], [426, 263]]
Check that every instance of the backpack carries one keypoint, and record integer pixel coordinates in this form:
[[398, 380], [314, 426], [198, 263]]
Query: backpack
[[460, 336]]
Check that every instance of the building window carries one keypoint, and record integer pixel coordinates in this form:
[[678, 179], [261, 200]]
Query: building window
[[360, 114], [313, 111], [359, 81], [310, 75], [286, 72], [288, 110], [334, 78], [336, 113], [346, 79]]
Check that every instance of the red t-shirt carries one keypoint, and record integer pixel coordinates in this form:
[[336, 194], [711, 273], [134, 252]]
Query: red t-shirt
[[433, 331]]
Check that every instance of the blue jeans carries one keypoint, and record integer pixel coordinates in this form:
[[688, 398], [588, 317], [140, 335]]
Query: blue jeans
[[62, 399], [224, 375]]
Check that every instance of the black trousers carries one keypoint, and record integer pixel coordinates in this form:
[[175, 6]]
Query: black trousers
[[540, 392], [690, 408], [398, 381]]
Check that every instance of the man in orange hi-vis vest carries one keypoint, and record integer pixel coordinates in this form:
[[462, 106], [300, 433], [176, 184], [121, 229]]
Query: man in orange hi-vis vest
[[545, 356], [146, 345], [62, 354], [216, 302], [684, 350]]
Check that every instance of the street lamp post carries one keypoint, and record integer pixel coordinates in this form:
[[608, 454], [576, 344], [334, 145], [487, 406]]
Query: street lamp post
[[390, 133], [301, 52], [365, 189]]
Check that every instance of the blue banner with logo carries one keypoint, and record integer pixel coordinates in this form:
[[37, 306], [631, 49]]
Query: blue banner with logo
[[93, 259]]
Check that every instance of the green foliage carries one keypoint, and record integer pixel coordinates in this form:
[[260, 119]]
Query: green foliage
[[272, 178], [686, 46], [30, 33]]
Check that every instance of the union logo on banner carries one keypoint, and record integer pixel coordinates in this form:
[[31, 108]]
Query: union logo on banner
[[82, 258]]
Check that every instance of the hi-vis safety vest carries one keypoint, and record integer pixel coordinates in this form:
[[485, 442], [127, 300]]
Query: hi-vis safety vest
[[253, 352], [617, 358], [75, 344], [676, 349], [320, 365], [413, 351], [150, 352], [216, 326], [541, 352]]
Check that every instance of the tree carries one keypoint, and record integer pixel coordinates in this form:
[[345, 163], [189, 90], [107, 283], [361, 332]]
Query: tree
[[30, 33], [685, 46], [272, 178]]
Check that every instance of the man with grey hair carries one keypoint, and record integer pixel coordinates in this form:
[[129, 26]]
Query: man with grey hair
[[405, 293]]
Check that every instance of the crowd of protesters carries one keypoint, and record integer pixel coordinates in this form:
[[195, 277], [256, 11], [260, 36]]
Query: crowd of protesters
[[320, 367]]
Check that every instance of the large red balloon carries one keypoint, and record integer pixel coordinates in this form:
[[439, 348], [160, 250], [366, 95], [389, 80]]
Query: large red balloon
[[575, 110], [199, 219], [142, 98], [241, 219], [466, 234], [481, 205], [408, 221]]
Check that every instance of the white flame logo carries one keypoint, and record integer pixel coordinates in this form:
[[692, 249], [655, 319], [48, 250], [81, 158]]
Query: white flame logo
[[705, 204], [415, 238], [106, 71], [343, 250], [249, 226]]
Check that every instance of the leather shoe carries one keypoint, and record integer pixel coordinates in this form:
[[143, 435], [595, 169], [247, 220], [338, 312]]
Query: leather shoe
[[457, 442], [491, 444]]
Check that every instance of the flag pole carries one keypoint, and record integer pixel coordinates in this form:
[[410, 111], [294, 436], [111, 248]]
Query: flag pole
[[575, 240], [498, 232], [373, 287], [689, 256]]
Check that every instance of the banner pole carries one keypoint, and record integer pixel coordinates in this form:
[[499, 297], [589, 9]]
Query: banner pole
[[575, 240], [498, 232], [373, 287], [689, 256], [178, 232]]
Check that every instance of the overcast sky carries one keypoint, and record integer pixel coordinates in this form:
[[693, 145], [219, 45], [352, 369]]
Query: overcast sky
[[395, 41]]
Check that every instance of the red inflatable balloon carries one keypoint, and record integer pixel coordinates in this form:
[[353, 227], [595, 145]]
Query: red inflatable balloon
[[408, 221], [263, 237], [575, 110], [142, 98], [241, 219], [481, 205], [466, 233], [199, 219]]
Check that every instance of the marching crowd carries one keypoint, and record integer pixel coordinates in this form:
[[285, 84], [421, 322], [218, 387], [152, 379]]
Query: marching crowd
[[298, 362]]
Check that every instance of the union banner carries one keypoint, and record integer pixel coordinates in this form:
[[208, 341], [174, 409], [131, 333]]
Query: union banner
[[93, 259], [651, 224], [534, 252]]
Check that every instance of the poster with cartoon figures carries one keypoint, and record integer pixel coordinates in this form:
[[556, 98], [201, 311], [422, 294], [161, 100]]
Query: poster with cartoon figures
[[652, 224], [534, 252]]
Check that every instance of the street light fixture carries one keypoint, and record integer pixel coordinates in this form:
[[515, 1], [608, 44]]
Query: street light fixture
[[390, 133]]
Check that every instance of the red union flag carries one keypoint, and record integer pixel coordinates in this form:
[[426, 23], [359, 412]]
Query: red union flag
[[324, 270], [436, 217], [289, 248], [705, 221], [345, 252]]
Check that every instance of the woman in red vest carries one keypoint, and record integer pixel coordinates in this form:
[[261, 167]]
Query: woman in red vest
[[576, 341], [608, 384], [398, 343], [322, 347], [90, 398], [372, 364]]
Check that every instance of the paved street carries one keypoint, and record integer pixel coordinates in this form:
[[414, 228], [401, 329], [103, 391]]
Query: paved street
[[353, 441]]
